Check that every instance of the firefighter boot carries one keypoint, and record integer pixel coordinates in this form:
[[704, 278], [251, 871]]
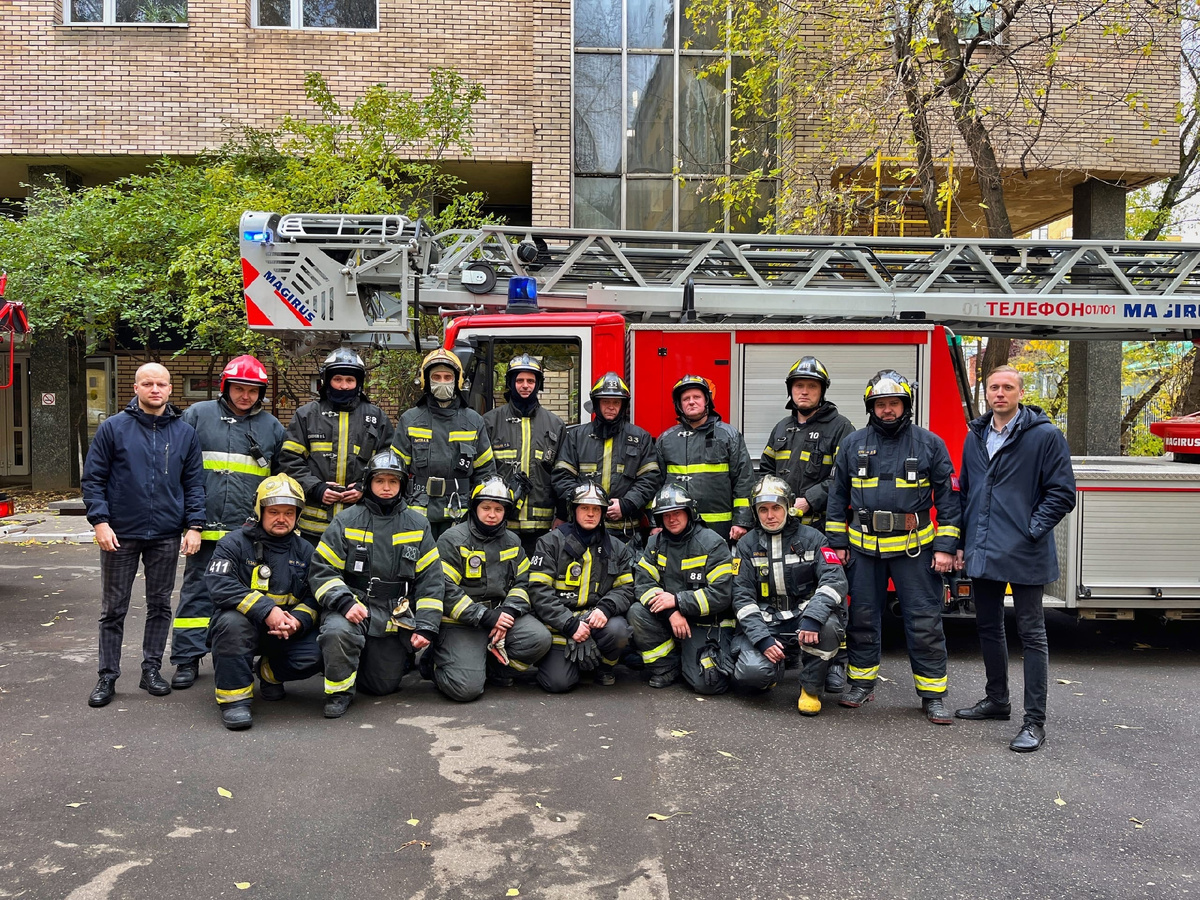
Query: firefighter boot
[[860, 692], [810, 704], [835, 678], [664, 679], [185, 675], [268, 690], [236, 717], [935, 711], [337, 704]]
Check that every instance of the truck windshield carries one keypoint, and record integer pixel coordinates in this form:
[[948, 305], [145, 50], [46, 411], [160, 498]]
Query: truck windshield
[[561, 361]]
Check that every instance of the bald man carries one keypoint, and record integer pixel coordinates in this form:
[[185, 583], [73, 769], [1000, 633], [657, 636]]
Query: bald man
[[143, 485]]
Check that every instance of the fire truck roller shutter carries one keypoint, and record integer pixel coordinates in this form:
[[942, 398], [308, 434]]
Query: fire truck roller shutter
[[850, 366]]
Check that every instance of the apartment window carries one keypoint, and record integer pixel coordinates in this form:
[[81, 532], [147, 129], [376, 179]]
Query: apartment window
[[974, 16], [650, 134], [126, 12], [362, 14]]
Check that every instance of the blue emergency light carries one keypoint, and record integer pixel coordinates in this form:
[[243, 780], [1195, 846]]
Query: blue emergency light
[[522, 294]]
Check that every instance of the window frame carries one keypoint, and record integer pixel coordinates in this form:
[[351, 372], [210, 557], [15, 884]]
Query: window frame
[[297, 21], [108, 18]]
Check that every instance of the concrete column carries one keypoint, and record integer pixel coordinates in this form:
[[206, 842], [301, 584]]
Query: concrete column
[[1094, 367], [55, 371]]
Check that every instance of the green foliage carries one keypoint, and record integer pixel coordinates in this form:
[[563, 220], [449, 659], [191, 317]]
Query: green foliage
[[159, 251]]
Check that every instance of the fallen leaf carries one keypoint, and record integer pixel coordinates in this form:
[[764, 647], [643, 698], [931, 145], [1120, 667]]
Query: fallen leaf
[[729, 755], [1077, 693], [1129, 727], [676, 732], [699, 699], [423, 844], [47, 624], [224, 793], [1147, 647], [659, 817], [538, 804], [118, 746], [414, 821], [241, 885], [38, 576], [882, 678], [617, 778], [1137, 823], [74, 805], [1060, 801], [513, 892], [1068, 681]]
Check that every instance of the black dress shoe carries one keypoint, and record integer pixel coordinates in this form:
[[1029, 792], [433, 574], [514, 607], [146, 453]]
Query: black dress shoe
[[985, 709], [236, 718], [1028, 739], [935, 711], [185, 675], [104, 690], [153, 683]]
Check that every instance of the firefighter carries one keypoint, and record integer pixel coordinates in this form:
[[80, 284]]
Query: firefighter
[[888, 479], [487, 630], [525, 439], [789, 592], [800, 450], [240, 442], [616, 454], [444, 445], [708, 458], [377, 576], [581, 585], [258, 580], [330, 441], [683, 587]]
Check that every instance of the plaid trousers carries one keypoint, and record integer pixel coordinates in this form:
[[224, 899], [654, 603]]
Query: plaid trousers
[[118, 569]]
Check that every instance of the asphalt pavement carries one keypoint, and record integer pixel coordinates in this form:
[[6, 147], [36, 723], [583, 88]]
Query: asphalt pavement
[[531, 795]]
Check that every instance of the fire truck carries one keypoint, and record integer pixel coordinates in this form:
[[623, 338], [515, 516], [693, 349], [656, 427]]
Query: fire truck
[[739, 310]]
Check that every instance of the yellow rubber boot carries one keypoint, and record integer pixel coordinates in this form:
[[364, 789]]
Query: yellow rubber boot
[[809, 704]]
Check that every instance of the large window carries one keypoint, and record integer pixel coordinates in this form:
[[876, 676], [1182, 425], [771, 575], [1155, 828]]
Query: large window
[[125, 12], [650, 134], [316, 13]]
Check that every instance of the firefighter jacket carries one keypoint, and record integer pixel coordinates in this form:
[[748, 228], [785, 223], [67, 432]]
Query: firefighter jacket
[[907, 473], [144, 475], [802, 455], [328, 445], [254, 572], [695, 566], [483, 574], [622, 460], [789, 576], [568, 578], [447, 453], [239, 452], [529, 443], [380, 559], [712, 464]]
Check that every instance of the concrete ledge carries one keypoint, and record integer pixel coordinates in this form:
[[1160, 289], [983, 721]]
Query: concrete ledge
[[73, 507]]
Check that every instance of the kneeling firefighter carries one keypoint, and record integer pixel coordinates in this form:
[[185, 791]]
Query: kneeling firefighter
[[684, 587], [377, 576], [258, 581], [487, 631], [789, 589], [581, 584]]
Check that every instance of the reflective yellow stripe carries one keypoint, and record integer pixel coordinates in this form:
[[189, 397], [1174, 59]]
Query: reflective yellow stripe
[[510, 553], [404, 456], [452, 573], [328, 586], [805, 456], [236, 695], [343, 451], [541, 577], [649, 595], [701, 601], [770, 453], [649, 569], [651, 466], [266, 673], [891, 543], [406, 537], [869, 674], [827, 460], [233, 462], [190, 623], [322, 446], [741, 501], [329, 556], [518, 665], [358, 534], [698, 469], [694, 562], [249, 601], [212, 535], [935, 685], [606, 466], [460, 606], [463, 435], [901, 483], [416, 432], [623, 578], [864, 482], [282, 599], [304, 608], [518, 593], [295, 448], [429, 603], [835, 527], [948, 531], [717, 517], [484, 458], [337, 687], [718, 571], [656, 653], [427, 560]]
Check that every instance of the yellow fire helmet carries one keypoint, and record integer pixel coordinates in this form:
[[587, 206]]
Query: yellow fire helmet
[[278, 490], [441, 357]]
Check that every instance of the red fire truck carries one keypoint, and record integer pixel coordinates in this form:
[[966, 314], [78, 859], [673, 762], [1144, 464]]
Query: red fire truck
[[739, 310]]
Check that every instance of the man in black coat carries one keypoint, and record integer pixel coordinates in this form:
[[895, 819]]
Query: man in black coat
[[1016, 485]]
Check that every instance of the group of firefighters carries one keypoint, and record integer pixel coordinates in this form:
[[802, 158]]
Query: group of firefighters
[[478, 548]]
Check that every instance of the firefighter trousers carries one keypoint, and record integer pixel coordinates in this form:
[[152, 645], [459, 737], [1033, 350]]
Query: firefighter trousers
[[462, 663], [919, 590], [353, 660], [236, 640], [752, 671], [663, 653], [557, 674], [189, 629]]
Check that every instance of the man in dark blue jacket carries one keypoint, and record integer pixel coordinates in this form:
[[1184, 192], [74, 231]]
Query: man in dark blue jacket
[[1016, 484], [143, 484]]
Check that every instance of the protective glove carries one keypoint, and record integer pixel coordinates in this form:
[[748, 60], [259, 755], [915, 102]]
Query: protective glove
[[715, 664], [586, 655]]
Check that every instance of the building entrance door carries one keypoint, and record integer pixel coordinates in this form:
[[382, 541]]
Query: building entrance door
[[14, 420]]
